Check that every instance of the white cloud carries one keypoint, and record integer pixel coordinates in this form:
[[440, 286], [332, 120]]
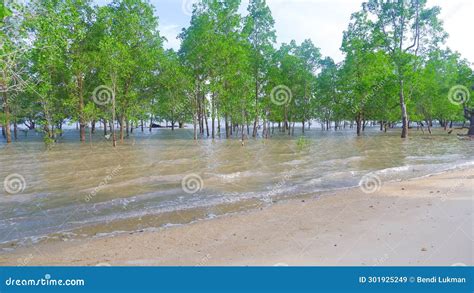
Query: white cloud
[[323, 21], [319, 20], [171, 32]]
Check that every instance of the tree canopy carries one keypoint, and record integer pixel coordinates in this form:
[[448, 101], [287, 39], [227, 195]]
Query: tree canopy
[[73, 62]]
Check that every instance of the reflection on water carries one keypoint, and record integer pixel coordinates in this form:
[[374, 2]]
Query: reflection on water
[[77, 185]]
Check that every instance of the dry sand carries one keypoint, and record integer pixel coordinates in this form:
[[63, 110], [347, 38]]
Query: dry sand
[[427, 221]]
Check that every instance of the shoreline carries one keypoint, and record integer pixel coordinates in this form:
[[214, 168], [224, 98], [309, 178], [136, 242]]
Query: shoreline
[[191, 215], [423, 221]]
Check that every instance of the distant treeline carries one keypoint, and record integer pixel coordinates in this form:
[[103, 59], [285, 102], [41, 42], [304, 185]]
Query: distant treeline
[[73, 61]]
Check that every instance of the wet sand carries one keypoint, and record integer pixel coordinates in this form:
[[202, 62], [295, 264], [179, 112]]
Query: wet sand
[[427, 221]]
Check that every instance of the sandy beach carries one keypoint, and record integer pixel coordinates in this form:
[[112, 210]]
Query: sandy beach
[[425, 221]]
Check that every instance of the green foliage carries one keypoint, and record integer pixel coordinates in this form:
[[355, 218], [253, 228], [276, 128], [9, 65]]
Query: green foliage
[[228, 69]]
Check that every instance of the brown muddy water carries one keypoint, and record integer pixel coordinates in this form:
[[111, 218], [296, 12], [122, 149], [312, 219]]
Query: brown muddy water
[[166, 178]]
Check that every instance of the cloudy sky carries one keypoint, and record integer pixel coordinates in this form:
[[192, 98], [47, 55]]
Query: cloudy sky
[[323, 21]]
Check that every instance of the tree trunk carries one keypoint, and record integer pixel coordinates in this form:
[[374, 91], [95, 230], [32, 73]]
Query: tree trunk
[[469, 115], [207, 123], [127, 127], [114, 137], [243, 128], [213, 116], [403, 107], [265, 127], [122, 132], [82, 122], [15, 129], [6, 110], [195, 125], [255, 123], [226, 126], [359, 123], [105, 127]]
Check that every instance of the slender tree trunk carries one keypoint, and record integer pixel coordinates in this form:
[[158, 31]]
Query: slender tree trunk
[[289, 125], [114, 137], [247, 122], [255, 123], [122, 132], [359, 123], [218, 126], [265, 127], [195, 125], [15, 129], [207, 122], [6, 110], [127, 127], [213, 116], [227, 132], [141, 125], [105, 127], [403, 107], [82, 122], [242, 128]]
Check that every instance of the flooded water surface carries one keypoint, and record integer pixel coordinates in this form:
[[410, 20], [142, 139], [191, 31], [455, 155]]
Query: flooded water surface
[[168, 176]]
